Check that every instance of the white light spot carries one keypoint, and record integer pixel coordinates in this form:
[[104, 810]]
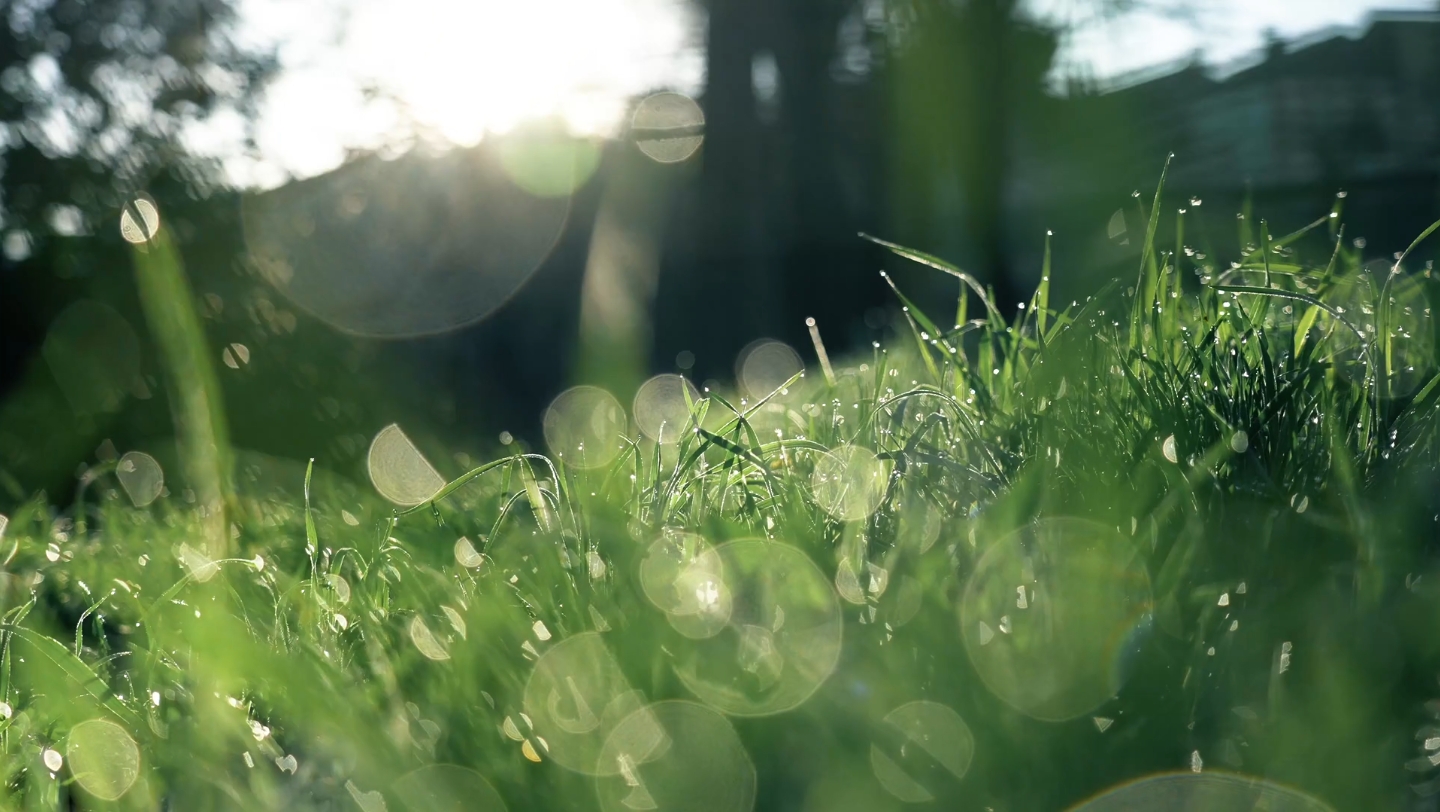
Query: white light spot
[[139, 221]]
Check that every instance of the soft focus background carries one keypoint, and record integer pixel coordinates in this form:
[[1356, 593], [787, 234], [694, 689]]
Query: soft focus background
[[673, 281], [964, 129]]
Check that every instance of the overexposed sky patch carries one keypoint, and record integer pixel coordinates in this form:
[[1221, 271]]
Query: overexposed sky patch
[[368, 73], [1219, 31]]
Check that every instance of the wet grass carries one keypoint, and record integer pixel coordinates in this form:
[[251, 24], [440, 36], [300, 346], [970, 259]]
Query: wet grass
[[1261, 438]]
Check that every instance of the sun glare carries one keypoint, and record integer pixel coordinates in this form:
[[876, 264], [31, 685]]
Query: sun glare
[[465, 68]]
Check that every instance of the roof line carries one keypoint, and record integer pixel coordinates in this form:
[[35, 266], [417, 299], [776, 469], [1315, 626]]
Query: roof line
[[1223, 71]]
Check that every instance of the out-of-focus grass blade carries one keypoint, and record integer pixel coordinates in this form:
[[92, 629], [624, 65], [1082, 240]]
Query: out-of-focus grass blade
[[1145, 282], [77, 670], [939, 265], [1299, 297]]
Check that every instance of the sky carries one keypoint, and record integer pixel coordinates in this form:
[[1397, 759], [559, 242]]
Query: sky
[[453, 70]]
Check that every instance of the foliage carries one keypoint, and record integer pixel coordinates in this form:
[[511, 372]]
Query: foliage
[[99, 95]]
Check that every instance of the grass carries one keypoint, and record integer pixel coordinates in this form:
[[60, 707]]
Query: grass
[[1241, 462]]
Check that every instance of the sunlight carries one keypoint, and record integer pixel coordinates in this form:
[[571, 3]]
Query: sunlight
[[453, 70]]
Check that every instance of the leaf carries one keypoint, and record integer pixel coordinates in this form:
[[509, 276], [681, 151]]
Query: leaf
[[76, 670]]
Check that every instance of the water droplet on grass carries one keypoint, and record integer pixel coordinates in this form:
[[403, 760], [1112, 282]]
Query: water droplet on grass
[[1239, 442], [236, 356]]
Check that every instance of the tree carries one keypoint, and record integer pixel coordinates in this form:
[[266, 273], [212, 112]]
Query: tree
[[96, 97]]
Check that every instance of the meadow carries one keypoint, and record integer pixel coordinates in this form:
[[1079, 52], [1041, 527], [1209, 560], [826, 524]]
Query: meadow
[[1173, 541]]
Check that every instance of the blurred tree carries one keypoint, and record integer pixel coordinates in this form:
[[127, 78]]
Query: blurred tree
[[96, 97], [942, 96], [924, 101], [965, 78], [99, 102]]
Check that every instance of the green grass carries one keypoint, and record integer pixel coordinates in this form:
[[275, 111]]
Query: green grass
[[1249, 453]]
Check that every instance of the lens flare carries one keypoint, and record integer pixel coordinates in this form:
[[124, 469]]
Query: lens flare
[[683, 577], [94, 355], [668, 127], [399, 471], [576, 696], [445, 788], [1203, 792], [1053, 615], [849, 482], [103, 758], [584, 427], [675, 756], [141, 477], [783, 637], [420, 245], [765, 366], [933, 742], [662, 408]]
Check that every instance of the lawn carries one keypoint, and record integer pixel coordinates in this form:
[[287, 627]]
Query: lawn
[[1176, 539]]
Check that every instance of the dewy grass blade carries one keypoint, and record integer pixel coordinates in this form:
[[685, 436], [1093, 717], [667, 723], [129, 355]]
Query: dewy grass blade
[[1145, 281], [939, 265], [1299, 297]]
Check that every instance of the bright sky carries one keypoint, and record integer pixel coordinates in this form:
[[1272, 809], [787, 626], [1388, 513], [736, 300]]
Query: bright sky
[[1220, 30], [455, 69]]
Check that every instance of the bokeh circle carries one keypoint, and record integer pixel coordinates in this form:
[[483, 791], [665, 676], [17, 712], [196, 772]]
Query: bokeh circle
[[783, 637], [575, 697], [103, 758], [1202, 791], [584, 427], [1053, 616], [445, 788], [675, 755]]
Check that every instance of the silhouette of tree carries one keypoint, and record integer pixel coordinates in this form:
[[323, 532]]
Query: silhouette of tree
[[96, 96]]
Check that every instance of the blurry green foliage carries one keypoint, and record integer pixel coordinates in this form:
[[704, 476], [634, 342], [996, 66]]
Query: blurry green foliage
[[1248, 456]]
